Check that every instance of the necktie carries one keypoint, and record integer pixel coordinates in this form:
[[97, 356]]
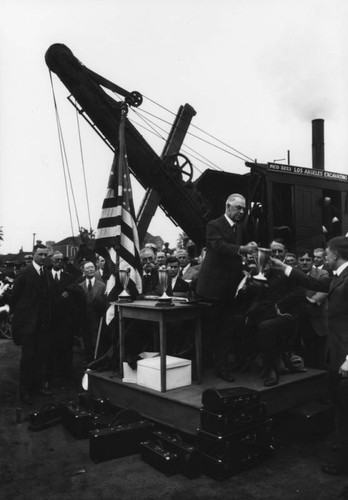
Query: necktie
[[180, 273], [56, 278], [41, 272], [89, 286]]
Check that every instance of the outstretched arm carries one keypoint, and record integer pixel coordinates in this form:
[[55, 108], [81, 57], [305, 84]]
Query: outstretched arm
[[320, 284]]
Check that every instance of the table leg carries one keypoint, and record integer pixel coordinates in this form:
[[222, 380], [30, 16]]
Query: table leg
[[121, 339], [198, 342], [163, 352]]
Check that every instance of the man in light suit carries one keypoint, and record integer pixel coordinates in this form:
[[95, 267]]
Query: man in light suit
[[219, 277], [319, 259], [337, 288], [96, 303], [31, 307], [187, 271], [102, 272]]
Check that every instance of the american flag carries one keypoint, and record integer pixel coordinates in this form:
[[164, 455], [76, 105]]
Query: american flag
[[117, 231]]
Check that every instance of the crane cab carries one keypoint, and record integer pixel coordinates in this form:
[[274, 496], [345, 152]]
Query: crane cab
[[303, 206]]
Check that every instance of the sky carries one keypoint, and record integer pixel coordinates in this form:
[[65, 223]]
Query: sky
[[257, 72]]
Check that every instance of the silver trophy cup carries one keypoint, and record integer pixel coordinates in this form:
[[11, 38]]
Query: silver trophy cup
[[164, 299], [124, 275], [261, 259]]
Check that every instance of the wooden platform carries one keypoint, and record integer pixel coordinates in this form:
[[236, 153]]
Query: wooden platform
[[180, 408]]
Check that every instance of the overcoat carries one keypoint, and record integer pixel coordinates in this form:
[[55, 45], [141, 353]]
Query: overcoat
[[337, 288], [221, 270], [30, 305]]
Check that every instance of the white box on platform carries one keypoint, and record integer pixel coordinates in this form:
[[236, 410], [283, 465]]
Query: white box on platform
[[179, 372], [131, 376]]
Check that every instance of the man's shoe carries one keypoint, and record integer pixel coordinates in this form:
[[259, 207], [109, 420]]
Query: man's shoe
[[335, 469], [294, 363], [271, 378], [25, 398]]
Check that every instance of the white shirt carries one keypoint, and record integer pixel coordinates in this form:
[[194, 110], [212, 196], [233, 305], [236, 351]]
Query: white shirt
[[341, 268], [241, 284], [54, 273], [92, 280], [174, 281], [37, 267], [231, 223]]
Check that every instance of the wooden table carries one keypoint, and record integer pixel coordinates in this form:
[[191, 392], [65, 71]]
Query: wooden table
[[148, 311]]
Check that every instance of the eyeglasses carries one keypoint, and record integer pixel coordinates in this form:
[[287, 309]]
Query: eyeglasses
[[237, 207]]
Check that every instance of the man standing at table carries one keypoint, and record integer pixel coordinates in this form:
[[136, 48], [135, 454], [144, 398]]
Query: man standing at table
[[220, 274]]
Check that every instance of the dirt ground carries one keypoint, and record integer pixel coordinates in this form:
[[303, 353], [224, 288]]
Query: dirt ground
[[51, 464]]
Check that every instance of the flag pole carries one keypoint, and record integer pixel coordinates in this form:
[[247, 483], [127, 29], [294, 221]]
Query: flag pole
[[98, 337]]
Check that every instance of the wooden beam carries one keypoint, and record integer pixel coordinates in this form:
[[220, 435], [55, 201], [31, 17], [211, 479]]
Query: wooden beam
[[173, 144]]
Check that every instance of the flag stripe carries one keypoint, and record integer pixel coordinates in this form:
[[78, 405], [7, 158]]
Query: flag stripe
[[117, 229], [122, 218]]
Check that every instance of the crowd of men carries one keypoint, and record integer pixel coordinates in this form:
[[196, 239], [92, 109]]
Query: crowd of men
[[284, 316], [293, 319], [54, 305]]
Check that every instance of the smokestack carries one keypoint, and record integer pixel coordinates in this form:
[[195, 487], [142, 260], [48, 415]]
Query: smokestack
[[318, 161]]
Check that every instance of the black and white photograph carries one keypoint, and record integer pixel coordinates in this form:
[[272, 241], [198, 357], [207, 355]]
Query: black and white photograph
[[174, 249]]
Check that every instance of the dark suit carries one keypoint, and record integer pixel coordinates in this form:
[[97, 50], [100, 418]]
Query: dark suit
[[218, 279], [31, 306], [66, 299], [96, 303], [151, 284], [313, 326], [179, 332], [337, 288], [221, 270], [276, 333], [180, 287]]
